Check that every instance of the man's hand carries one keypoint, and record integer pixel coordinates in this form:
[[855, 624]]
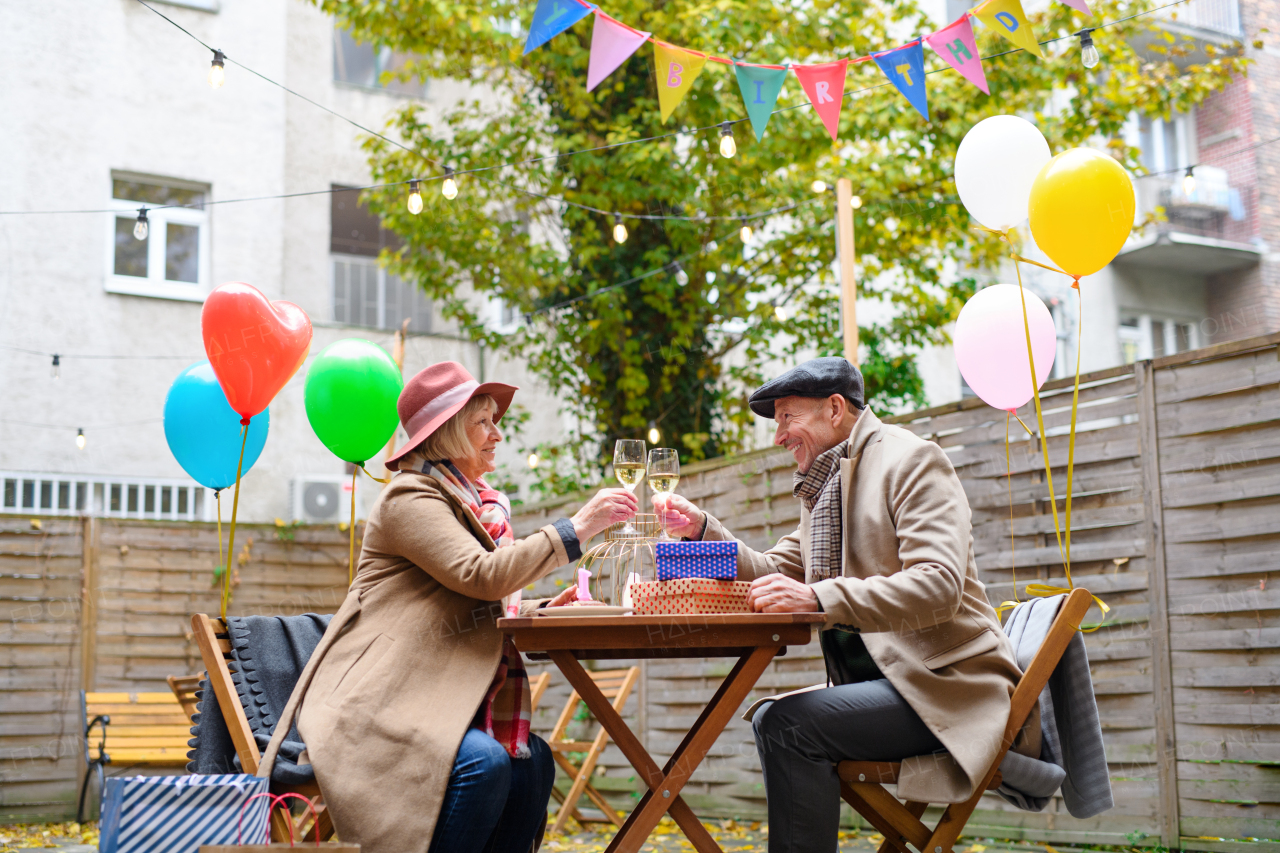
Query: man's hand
[[777, 593], [682, 518]]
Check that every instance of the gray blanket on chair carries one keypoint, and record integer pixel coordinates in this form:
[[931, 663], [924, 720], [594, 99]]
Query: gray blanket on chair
[[1071, 752], [269, 653]]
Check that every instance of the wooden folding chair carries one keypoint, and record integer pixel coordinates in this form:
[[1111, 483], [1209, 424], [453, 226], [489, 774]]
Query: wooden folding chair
[[184, 687], [537, 687], [899, 822], [615, 684], [215, 650]]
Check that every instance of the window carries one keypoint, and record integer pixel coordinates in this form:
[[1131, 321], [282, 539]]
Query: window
[[364, 294], [72, 494], [172, 261], [1143, 336], [363, 65]]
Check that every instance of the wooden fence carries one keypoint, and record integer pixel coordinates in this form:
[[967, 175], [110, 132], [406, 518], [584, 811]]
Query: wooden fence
[[1175, 520]]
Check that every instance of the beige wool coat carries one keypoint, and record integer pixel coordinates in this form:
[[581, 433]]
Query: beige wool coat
[[386, 698], [910, 587]]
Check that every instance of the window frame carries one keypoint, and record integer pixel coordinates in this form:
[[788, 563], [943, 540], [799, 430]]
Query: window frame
[[382, 280], [158, 219]]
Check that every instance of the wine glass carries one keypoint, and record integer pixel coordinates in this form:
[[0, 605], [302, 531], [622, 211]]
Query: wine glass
[[664, 473], [629, 468]]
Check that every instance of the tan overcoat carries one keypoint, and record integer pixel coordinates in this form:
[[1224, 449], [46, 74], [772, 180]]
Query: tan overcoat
[[398, 676], [910, 586]]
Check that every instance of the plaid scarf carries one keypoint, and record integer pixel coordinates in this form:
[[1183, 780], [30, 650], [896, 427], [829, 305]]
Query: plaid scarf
[[819, 490], [507, 702]]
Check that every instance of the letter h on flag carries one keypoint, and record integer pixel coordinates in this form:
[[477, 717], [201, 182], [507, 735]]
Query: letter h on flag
[[955, 44], [904, 66]]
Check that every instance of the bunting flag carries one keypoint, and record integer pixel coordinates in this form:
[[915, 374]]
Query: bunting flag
[[1007, 18], [1079, 4], [824, 84], [955, 44], [760, 86], [612, 44], [551, 18], [904, 66], [677, 69]]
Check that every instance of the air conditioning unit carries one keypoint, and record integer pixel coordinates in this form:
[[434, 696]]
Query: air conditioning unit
[[325, 499]]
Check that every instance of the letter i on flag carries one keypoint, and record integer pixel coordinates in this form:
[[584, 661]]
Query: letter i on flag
[[904, 66], [677, 69], [1007, 18], [551, 18], [760, 86], [612, 44], [824, 84], [955, 44]]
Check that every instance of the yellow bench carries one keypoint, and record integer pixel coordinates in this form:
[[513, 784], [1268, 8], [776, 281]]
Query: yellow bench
[[149, 729]]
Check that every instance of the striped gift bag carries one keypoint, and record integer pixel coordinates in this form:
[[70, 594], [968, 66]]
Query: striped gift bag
[[177, 814]]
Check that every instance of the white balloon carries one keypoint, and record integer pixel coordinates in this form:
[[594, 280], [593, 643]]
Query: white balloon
[[996, 164]]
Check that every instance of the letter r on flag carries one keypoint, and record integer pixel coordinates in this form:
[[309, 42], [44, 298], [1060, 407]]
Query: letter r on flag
[[824, 97]]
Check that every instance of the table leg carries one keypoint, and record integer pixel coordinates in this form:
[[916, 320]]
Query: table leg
[[665, 785]]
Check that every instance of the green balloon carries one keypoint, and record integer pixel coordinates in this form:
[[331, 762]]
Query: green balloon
[[351, 393]]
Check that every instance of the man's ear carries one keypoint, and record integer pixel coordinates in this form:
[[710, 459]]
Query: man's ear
[[839, 407]]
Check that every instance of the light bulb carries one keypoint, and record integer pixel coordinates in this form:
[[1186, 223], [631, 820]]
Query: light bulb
[[80, 438], [1189, 182], [745, 232], [713, 295], [619, 230], [450, 187], [533, 460], [780, 313], [1088, 53], [654, 435], [140, 227], [217, 72], [727, 146], [818, 186], [855, 202], [55, 370], [415, 198], [682, 277]]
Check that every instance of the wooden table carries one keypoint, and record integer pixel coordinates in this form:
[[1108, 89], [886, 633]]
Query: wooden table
[[754, 638]]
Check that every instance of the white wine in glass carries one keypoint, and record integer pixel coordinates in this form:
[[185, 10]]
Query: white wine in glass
[[629, 468], [664, 474]]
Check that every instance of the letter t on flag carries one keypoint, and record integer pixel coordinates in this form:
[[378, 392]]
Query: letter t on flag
[[824, 84], [760, 86], [551, 18], [904, 66], [955, 44]]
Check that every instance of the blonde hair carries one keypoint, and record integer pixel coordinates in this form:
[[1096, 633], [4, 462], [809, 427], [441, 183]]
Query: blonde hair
[[450, 440]]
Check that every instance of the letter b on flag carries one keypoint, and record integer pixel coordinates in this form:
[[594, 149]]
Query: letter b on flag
[[673, 75]]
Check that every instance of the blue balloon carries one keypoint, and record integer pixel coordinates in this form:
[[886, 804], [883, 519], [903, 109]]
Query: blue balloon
[[204, 432]]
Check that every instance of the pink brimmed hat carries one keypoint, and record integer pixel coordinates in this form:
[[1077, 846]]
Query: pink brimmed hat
[[436, 394]]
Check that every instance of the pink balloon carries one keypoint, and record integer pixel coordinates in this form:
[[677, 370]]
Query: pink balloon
[[991, 344]]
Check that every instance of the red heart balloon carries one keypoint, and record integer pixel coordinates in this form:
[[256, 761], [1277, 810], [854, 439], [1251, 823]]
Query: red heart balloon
[[255, 345]]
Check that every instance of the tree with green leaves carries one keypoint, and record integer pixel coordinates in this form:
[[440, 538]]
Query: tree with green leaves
[[671, 327]]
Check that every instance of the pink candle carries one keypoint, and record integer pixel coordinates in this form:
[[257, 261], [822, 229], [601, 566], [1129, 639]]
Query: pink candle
[[584, 577]]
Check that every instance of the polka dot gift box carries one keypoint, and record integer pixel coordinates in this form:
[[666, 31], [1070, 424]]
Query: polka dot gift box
[[690, 596], [696, 560]]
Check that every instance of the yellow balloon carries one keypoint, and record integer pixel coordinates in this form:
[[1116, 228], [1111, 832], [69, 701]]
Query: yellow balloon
[[1081, 210]]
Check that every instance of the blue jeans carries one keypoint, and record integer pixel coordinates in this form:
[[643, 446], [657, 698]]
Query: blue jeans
[[494, 803]]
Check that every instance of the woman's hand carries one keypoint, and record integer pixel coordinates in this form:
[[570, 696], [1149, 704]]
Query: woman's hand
[[609, 506], [682, 519], [568, 595]]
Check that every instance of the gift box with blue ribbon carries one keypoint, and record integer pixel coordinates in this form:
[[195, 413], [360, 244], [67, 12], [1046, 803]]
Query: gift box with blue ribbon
[[676, 560]]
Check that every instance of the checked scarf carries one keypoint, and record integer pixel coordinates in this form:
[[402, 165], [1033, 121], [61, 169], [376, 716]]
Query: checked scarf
[[819, 491], [507, 703]]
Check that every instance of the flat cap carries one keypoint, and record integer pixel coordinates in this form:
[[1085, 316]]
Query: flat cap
[[817, 377]]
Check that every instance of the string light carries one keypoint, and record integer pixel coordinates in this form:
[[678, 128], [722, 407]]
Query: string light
[[1088, 53], [655, 435], [140, 227], [727, 146], [80, 438], [855, 202], [217, 71], [619, 230], [415, 198], [713, 295], [1189, 182], [780, 313], [533, 460], [450, 187], [682, 277], [55, 370], [745, 231], [818, 186]]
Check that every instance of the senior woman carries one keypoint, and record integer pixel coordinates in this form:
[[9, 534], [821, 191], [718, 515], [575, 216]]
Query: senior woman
[[414, 707]]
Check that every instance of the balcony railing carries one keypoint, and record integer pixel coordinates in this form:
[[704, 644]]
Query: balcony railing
[[1213, 208], [1218, 16]]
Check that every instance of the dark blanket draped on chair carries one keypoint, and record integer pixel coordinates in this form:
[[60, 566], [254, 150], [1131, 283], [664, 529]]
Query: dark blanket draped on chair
[[269, 654]]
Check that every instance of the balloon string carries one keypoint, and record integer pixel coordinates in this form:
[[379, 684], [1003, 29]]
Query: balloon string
[[231, 537], [217, 499], [1075, 402], [351, 557], [1043, 266], [371, 477], [1013, 545]]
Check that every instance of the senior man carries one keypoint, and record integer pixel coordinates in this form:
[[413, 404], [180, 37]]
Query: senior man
[[920, 667]]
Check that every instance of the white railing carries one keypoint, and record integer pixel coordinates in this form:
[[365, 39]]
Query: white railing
[[1219, 16], [35, 493]]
